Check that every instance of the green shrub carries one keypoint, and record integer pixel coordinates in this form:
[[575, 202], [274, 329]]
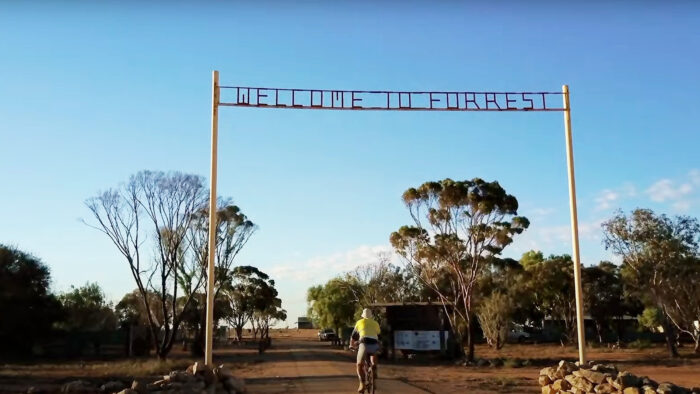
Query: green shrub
[[513, 363], [640, 344]]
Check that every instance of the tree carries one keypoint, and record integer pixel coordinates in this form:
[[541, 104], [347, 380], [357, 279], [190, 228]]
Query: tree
[[131, 310], [459, 227], [248, 290], [382, 281], [266, 317], [604, 296], [28, 308], [651, 319], [86, 309], [660, 265], [494, 314], [551, 287], [334, 304], [167, 202], [233, 231], [510, 278]]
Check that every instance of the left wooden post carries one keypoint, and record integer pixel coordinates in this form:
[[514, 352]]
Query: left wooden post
[[211, 250]]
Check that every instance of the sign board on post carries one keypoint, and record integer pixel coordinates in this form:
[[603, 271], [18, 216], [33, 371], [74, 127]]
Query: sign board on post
[[417, 340]]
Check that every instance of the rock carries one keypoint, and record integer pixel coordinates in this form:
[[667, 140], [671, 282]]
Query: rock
[[605, 388], [544, 380], [567, 366], [193, 387], [482, 362], [190, 369], [547, 371], [648, 390], [180, 376], [139, 387], [580, 383], [113, 386], [551, 373], [605, 368], [592, 376], [209, 377], [626, 379], [209, 390], [79, 386], [199, 368], [631, 390], [561, 385], [235, 385], [548, 390], [222, 373], [695, 390], [665, 388], [587, 364], [645, 381], [158, 385]]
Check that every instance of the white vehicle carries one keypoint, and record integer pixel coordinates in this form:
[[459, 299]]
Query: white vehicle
[[326, 335], [518, 334]]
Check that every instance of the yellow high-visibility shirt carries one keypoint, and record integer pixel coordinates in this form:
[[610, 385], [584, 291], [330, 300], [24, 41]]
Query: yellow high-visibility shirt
[[367, 328]]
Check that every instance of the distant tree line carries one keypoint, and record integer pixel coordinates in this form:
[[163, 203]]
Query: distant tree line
[[452, 253]]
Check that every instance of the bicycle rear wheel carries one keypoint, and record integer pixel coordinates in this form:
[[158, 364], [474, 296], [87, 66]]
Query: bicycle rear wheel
[[371, 383]]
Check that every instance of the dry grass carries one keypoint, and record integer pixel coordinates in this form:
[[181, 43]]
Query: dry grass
[[127, 368]]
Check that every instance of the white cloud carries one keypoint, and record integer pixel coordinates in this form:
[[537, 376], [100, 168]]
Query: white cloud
[[321, 268], [606, 197], [542, 212], [694, 175], [682, 205], [666, 190], [555, 239]]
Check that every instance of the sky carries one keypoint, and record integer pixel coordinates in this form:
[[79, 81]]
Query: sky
[[92, 92]]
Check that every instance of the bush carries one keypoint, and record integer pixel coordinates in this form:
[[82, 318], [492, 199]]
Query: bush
[[494, 314], [640, 344], [513, 363], [28, 309]]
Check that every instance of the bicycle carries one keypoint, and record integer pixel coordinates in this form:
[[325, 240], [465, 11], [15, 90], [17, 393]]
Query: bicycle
[[370, 384]]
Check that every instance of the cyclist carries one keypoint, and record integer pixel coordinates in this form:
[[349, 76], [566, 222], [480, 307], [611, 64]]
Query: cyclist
[[366, 332]]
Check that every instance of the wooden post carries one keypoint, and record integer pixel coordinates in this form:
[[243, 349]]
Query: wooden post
[[211, 251], [580, 327]]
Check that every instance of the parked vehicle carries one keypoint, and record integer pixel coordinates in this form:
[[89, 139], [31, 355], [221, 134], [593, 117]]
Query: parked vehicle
[[327, 335], [518, 334]]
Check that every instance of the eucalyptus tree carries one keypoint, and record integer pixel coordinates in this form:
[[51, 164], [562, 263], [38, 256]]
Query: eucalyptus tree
[[158, 207], [660, 265], [233, 231], [459, 227], [383, 281], [334, 304], [248, 291]]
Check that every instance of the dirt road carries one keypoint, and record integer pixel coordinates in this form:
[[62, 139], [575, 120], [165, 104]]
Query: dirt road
[[307, 366]]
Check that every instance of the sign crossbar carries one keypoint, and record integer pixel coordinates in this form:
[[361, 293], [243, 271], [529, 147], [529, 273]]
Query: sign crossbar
[[385, 100]]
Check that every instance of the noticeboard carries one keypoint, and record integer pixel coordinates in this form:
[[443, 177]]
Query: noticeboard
[[418, 340]]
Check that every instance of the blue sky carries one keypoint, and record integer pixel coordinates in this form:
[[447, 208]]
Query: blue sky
[[93, 92]]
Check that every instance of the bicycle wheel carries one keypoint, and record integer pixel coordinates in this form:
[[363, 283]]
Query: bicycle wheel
[[370, 379]]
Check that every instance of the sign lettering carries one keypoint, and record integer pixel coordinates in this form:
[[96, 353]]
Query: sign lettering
[[238, 96]]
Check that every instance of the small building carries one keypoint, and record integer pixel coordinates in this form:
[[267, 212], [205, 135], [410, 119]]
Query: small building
[[304, 322], [416, 327]]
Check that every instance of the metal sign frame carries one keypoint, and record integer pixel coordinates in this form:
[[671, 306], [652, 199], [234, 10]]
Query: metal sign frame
[[380, 100]]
